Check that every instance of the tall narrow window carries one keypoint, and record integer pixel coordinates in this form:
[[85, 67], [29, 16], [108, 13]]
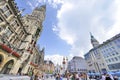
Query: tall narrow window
[[8, 13], [8, 32], [4, 8], [1, 20]]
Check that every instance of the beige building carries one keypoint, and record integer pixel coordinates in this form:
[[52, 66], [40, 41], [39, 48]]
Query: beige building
[[49, 66], [18, 37]]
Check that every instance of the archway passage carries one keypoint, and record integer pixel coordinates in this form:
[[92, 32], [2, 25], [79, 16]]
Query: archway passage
[[20, 69], [7, 67], [1, 59], [22, 66]]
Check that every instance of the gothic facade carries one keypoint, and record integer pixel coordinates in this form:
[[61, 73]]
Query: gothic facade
[[18, 37]]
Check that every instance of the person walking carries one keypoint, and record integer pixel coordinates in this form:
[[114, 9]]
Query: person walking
[[108, 77], [68, 76], [75, 77], [103, 76], [58, 77], [116, 77]]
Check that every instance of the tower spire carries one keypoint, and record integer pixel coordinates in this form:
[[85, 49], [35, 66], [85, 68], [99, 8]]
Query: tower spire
[[91, 35], [39, 11], [94, 41]]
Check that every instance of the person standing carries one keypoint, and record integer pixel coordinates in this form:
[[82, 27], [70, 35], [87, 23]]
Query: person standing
[[115, 77], [103, 76], [68, 76], [73, 77], [108, 77], [58, 77]]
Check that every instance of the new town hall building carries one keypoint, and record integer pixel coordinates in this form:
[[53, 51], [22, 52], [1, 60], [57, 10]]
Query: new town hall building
[[104, 57], [18, 37]]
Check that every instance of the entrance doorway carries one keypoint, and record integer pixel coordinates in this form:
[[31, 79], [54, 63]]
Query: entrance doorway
[[20, 69], [7, 67], [1, 59]]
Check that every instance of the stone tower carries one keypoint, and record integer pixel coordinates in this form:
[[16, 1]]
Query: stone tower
[[33, 26], [64, 63], [94, 42]]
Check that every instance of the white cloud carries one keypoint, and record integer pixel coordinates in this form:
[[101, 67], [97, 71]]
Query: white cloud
[[56, 59], [77, 19], [35, 3], [30, 4]]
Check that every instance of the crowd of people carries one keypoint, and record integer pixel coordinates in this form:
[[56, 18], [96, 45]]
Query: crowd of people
[[74, 76], [109, 77], [84, 76]]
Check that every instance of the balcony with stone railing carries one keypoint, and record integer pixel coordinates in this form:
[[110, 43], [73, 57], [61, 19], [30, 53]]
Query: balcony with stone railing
[[33, 64], [9, 50]]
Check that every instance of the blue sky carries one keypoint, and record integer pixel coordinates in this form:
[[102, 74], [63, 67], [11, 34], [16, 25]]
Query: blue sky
[[68, 23]]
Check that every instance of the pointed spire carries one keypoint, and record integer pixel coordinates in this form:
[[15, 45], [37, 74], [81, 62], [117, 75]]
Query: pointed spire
[[43, 49], [41, 8], [22, 11], [44, 6], [91, 35], [39, 13], [94, 42]]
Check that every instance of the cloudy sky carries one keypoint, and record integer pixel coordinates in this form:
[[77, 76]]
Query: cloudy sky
[[68, 23]]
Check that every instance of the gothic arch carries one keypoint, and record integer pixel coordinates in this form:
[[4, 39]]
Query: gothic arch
[[1, 59], [7, 67]]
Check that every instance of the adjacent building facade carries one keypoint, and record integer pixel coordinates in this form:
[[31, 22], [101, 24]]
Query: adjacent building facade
[[18, 37], [104, 57], [77, 64], [58, 69], [49, 66]]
